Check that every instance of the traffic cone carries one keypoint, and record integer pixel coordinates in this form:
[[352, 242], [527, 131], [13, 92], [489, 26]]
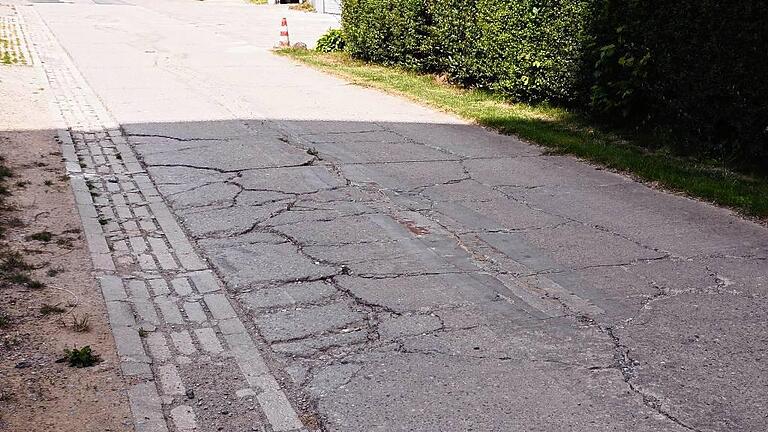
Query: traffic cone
[[285, 41]]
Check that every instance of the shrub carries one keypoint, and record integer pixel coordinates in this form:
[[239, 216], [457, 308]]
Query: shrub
[[331, 41], [529, 50], [705, 75], [692, 69]]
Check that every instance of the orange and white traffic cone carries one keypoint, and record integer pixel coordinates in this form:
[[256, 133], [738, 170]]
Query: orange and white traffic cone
[[285, 41]]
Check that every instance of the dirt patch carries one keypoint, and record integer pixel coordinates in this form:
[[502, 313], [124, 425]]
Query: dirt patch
[[49, 300]]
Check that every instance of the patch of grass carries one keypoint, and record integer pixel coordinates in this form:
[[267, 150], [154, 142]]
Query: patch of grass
[[14, 270], [558, 129], [65, 242], [12, 262], [5, 320], [47, 309], [9, 222], [34, 284], [5, 172], [42, 236], [14, 222], [80, 357], [54, 272], [258, 2]]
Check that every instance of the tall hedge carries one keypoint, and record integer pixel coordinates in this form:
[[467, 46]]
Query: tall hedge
[[707, 74], [532, 50], [696, 69]]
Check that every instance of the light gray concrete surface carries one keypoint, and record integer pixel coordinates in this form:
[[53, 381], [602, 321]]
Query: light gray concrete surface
[[419, 273]]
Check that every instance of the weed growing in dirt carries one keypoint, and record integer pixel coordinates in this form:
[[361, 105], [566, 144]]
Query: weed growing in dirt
[[48, 182], [54, 272], [81, 323], [5, 320], [142, 333], [43, 236], [6, 396], [5, 172], [80, 358], [35, 284], [65, 242], [11, 262], [47, 309]]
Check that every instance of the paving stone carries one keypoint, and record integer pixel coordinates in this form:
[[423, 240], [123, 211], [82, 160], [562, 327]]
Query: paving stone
[[183, 342], [219, 306], [231, 325], [170, 380], [146, 408], [208, 340], [169, 310], [159, 287], [158, 347], [112, 288], [205, 281], [184, 418], [181, 287], [194, 311]]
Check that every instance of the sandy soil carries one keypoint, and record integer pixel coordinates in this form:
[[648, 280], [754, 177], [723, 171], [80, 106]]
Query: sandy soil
[[37, 393]]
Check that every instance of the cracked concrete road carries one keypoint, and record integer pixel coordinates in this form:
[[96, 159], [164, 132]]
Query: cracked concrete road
[[419, 273]]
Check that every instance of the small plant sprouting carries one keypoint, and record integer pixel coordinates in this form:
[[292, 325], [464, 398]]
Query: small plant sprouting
[[43, 236], [103, 220], [35, 284], [81, 323], [13, 261], [80, 358], [312, 151], [48, 182], [47, 309], [4, 319], [143, 333], [54, 272]]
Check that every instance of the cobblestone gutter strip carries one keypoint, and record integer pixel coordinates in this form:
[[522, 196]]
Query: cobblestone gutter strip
[[182, 346]]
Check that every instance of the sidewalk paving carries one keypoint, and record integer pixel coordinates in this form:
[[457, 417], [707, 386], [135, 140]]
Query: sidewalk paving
[[385, 266]]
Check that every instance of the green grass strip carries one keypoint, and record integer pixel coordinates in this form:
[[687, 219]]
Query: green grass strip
[[559, 130]]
